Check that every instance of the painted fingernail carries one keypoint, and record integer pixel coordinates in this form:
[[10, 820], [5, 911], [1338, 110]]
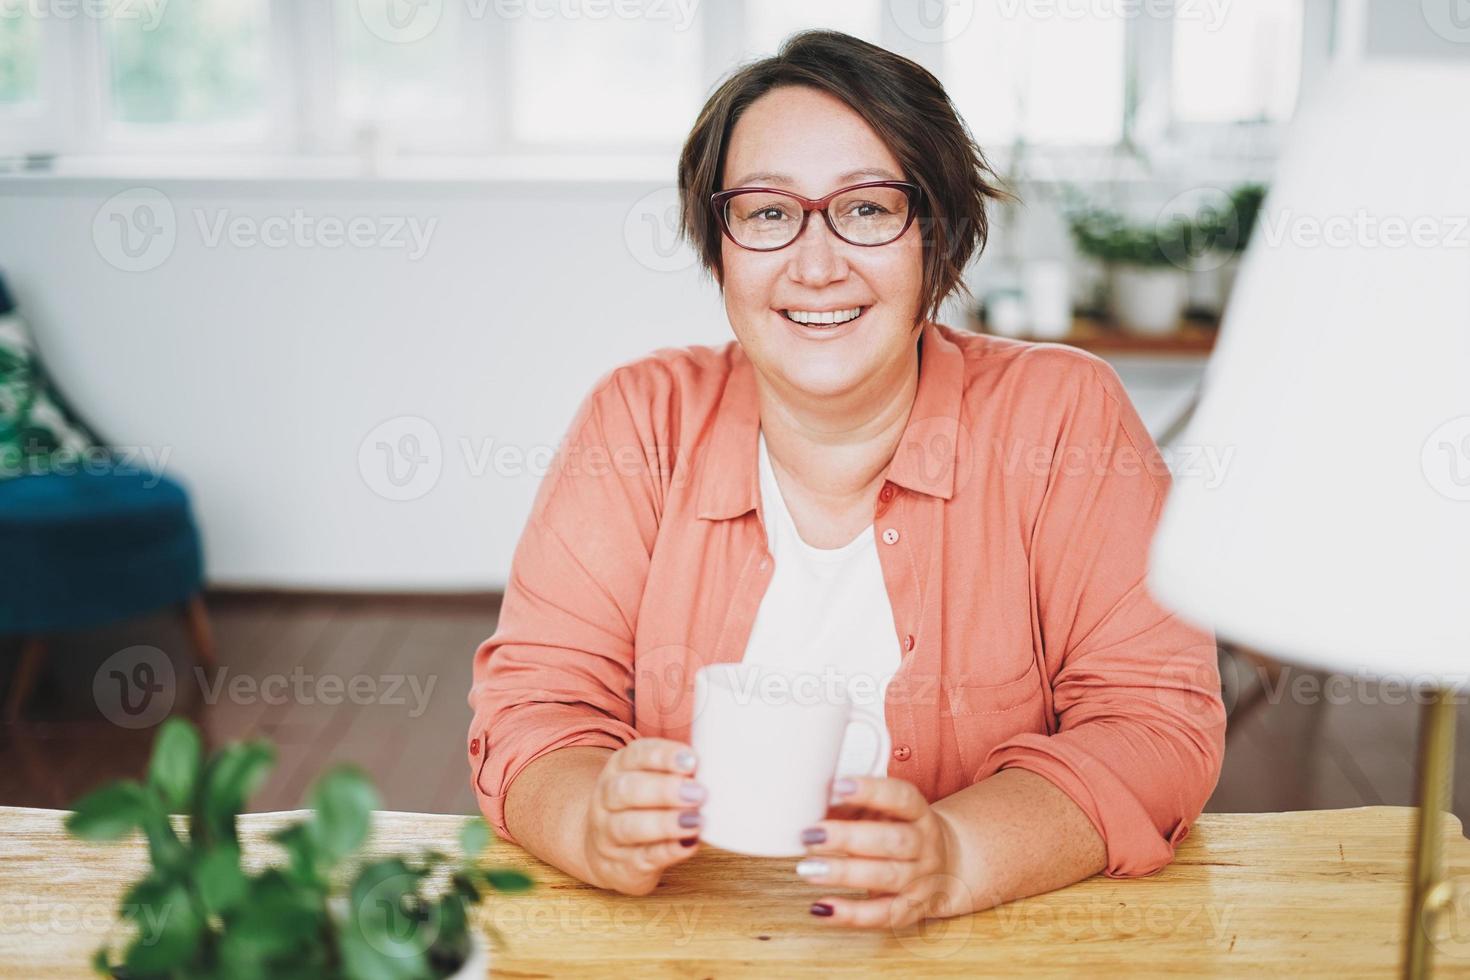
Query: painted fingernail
[[691, 792], [689, 841], [685, 760], [844, 786], [821, 908], [689, 818], [811, 867], [813, 835]]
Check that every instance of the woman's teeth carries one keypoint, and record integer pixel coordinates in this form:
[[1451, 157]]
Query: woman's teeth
[[830, 318]]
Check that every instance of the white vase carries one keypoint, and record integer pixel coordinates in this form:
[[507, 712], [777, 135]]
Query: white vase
[[1005, 313], [1048, 290], [1149, 300]]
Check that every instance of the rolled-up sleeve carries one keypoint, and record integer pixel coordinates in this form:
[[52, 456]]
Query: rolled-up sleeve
[[558, 670], [1139, 723]]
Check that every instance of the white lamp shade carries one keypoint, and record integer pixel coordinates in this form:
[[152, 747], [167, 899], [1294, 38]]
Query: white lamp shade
[[1335, 531]]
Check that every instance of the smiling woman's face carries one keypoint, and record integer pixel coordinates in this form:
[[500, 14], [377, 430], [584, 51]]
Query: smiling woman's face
[[820, 144]]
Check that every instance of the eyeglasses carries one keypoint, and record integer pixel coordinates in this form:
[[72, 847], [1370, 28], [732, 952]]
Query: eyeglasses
[[764, 219]]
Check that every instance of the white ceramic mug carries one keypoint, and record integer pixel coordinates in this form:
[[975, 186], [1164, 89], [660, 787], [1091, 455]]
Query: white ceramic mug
[[768, 744]]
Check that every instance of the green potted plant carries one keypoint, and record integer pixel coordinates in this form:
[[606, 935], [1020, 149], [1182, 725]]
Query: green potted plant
[[1148, 285], [325, 911], [1228, 230]]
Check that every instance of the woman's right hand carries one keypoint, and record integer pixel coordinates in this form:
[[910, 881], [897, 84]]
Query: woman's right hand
[[643, 815]]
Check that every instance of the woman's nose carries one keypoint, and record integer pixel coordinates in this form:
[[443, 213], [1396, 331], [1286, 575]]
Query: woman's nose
[[815, 255]]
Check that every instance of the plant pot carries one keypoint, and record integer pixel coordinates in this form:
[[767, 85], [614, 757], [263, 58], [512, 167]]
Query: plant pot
[[1149, 300], [1226, 280], [1048, 289]]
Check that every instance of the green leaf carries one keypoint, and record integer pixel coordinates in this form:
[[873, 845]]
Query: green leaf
[[229, 779], [364, 959], [506, 880], [389, 931], [299, 842], [165, 849], [465, 886], [219, 880], [169, 929], [112, 812], [344, 800], [453, 938], [174, 768], [473, 837], [277, 918], [102, 962]]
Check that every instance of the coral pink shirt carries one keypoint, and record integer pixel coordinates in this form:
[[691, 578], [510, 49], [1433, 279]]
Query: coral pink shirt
[[1012, 527]]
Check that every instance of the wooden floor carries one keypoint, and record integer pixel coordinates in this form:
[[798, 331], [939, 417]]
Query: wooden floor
[[283, 658]]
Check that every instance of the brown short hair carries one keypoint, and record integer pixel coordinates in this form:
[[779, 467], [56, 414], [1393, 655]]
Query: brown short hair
[[908, 109]]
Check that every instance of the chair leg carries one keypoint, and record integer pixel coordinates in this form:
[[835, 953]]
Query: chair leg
[[200, 633], [32, 656]]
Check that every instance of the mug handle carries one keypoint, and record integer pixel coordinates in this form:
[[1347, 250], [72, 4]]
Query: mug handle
[[858, 716]]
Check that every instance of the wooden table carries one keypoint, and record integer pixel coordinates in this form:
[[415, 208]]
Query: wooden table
[[1309, 892]]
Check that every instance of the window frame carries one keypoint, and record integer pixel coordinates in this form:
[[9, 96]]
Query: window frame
[[303, 119]]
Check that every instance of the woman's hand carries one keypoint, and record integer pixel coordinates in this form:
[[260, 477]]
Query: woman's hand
[[642, 816], [891, 843]]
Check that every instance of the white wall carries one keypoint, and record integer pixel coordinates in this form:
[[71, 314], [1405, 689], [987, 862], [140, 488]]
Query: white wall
[[259, 370]]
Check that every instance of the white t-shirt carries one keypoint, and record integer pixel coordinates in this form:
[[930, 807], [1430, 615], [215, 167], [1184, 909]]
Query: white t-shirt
[[827, 612]]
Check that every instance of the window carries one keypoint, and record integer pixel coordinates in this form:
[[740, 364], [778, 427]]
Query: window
[[380, 80], [20, 49], [1015, 72], [1245, 67], [355, 76], [200, 63], [769, 22], [611, 81]]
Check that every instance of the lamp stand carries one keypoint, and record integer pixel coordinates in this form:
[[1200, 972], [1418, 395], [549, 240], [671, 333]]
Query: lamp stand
[[1431, 890]]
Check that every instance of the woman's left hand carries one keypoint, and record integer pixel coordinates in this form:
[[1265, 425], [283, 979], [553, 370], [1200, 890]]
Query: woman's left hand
[[891, 843]]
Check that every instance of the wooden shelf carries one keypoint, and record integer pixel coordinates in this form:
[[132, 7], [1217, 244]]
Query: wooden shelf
[[1193, 337]]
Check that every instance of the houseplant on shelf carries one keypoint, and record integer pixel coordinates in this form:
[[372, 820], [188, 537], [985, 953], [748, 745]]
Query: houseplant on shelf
[[1228, 230], [1148, 286], [325, 911]]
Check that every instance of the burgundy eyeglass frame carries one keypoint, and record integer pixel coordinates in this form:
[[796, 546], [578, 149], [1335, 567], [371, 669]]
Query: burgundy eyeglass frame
[[718, 198]]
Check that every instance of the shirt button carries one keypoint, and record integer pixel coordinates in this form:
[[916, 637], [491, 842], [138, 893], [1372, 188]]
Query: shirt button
[[902, 753], [886, 493], [890, 535], [474, 746], [908, 641]]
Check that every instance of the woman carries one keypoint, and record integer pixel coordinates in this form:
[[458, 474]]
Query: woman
[[962, 520]]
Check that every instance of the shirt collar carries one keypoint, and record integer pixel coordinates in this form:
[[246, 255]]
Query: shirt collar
[[924, 460]]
